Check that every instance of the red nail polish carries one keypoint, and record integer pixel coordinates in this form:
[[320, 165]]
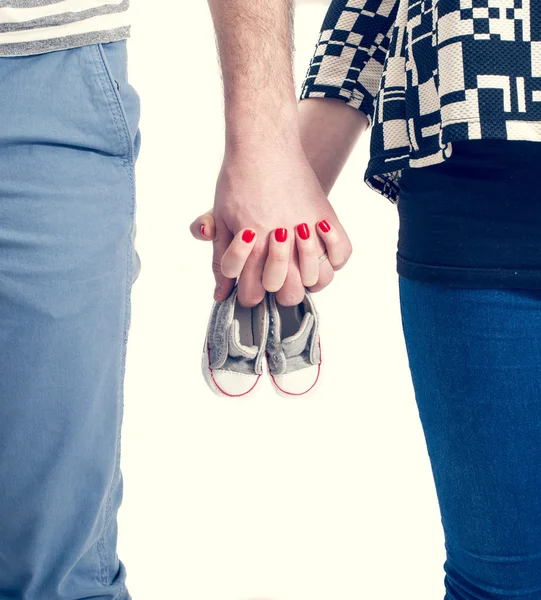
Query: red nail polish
[[304, 232], [280, 234], [203, 230], [324, 226], [248, 235]]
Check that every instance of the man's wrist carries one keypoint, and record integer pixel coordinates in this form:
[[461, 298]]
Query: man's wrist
[[262, 125]]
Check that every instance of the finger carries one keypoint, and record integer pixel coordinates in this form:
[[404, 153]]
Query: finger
[[250, 284], [234, 258], [307, 246], [292, 292], [221, 241], [326, 275], [275, 269], [203, 228], [338, 250]]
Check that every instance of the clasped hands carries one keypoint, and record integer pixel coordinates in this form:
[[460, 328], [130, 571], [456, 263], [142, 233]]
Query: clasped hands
[[272, 227]]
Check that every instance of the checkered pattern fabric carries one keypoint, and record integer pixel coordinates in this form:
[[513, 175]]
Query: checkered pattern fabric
[[430, 72]]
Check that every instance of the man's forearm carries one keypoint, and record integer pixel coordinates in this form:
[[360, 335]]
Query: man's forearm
[[255, 42]]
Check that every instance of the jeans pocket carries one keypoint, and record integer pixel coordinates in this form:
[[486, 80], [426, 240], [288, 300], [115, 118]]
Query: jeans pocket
[[122, 98]]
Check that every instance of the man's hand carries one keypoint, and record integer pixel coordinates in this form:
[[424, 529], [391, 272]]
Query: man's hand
[[263, 191], [266, 181]]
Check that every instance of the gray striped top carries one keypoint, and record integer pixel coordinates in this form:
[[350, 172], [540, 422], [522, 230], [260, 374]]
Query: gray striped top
[[36, 26]]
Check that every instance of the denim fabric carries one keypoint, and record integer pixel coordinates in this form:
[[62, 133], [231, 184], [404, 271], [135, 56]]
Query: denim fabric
[[475, 361], [69, 140]]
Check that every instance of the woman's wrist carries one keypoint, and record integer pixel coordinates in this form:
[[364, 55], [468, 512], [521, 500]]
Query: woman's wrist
[[329, 130]]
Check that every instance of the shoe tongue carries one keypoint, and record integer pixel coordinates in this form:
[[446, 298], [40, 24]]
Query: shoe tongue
[[296, 343], [236, 347]]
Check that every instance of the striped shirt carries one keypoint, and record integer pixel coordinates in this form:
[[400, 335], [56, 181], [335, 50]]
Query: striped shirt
[[430, 72], [36, 26]]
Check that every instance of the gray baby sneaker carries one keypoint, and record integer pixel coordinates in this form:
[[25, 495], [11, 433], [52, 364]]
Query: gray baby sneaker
[[293, 346], [234, 349]]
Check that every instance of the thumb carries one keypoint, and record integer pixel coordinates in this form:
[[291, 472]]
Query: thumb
[[222, 238], [203, 228]]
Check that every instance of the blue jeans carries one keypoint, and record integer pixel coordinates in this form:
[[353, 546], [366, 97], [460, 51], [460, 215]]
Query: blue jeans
[[475, 361], [69, 139]]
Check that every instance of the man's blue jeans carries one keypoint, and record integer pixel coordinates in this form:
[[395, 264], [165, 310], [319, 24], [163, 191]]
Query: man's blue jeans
[[69, 138], [475, 361]]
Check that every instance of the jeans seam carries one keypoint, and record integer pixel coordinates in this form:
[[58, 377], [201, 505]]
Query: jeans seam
[[128, 163], [102, 554], [115, 479]]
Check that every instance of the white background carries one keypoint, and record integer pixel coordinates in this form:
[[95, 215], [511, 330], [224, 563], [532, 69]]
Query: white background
[[267, 498]]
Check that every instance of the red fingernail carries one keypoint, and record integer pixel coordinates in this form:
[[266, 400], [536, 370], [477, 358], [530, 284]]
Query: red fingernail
[[280, 234], [324, 226], [203, 231], [248, 235], [304, 232]]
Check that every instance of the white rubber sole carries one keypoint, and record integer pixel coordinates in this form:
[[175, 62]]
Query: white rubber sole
[[211, 382], [309, 393]]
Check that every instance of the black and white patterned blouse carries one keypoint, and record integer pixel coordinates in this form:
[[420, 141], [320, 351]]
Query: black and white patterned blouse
[[430, 72]]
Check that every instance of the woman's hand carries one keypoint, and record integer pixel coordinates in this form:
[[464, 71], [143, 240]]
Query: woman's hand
[[268, 189], [275, 271], [234, 258]]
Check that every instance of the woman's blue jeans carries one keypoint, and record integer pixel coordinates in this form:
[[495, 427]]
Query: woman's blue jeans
[[69, 138], [475, 361]]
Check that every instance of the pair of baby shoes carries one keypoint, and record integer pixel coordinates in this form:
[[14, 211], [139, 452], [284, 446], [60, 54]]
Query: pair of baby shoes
[[239, 341]]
